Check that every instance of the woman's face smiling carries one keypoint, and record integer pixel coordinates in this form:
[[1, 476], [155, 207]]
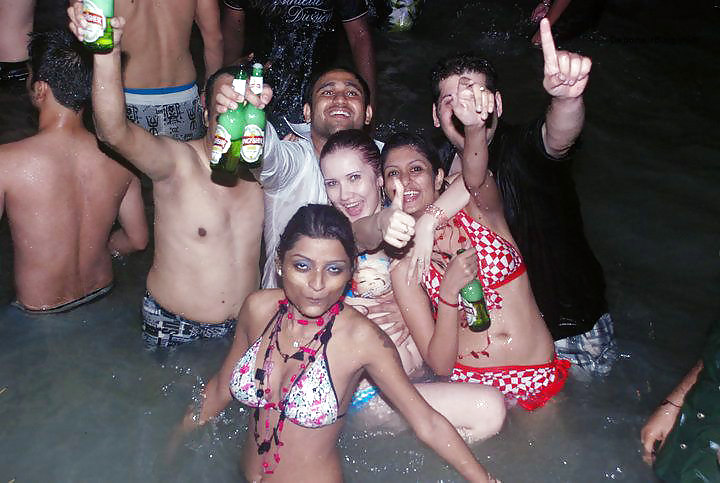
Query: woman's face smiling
[[414, 171], [351, 183], [315, 272]]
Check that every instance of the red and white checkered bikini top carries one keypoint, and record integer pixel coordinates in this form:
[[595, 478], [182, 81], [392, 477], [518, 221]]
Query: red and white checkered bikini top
[[499, 261]]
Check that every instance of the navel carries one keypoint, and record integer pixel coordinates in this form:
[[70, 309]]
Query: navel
[[202, 231]]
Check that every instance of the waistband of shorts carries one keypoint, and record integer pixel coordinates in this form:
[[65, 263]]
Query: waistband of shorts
[[85, 299], [230, 321], [546, 365], [162, 95]]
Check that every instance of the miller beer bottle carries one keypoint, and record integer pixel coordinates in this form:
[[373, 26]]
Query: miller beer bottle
[[472, 293], [228, 139], [253, 138], [98, 35]]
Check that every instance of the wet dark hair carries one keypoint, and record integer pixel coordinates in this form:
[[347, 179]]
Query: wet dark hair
[[58, 58], [357, 140], [415, 141], [233, 70], [310, 88], [318, 221], [462, 64]]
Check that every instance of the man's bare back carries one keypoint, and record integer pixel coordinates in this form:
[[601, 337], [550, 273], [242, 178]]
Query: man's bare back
[[62, 196], [157, 40]]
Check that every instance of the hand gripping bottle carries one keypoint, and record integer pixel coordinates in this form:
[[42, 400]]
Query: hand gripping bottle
[[472, 293], [253, 138], [98, 35], [227, 142]]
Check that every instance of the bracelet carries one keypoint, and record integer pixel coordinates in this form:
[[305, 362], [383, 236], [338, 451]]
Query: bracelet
[[437, 213], [456, 305], [667, 401]]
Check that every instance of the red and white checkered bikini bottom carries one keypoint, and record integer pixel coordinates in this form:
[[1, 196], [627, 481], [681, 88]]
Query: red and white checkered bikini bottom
[[532, 386]]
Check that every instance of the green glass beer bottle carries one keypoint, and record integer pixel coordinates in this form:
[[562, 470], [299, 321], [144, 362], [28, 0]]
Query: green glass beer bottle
[[473, 294], [98, 35], [227, 142], [253, 138]]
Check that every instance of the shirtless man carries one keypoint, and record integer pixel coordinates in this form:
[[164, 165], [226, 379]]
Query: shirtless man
[[207, 236], [159, 75], [61, 193]]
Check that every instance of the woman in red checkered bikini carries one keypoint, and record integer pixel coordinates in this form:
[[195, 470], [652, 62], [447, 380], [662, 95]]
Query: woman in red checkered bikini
[[516, 353]]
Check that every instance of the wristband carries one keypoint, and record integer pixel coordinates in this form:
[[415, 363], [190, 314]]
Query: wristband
[[667, 401], [437, 213], [456, 305]]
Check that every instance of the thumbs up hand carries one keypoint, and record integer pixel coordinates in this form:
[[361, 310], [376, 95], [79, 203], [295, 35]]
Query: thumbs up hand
[[397, 227]]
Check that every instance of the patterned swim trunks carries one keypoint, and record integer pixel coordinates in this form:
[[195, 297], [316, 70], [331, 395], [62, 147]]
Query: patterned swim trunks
[[163, 328], [168, 111], [531, 386]]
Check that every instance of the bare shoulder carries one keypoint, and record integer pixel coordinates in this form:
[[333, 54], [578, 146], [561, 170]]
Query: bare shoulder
[[20, 152], [259, 307]]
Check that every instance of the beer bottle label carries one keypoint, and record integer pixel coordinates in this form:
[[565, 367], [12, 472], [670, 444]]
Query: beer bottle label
[[96, 21], [239, 85], [256, 85], [252, 143], [221, 144]]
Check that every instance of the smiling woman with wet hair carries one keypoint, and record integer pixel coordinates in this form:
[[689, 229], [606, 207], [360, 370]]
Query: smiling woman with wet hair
[[298, 354]]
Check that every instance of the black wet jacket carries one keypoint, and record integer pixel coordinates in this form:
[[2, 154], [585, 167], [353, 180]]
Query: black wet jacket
[[543, 212]]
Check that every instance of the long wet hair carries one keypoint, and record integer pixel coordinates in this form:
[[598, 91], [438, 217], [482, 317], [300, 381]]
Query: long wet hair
[[356, 140], [318, 222], [58, 58]]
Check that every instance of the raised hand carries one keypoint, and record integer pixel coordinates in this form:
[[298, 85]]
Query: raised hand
[[473, 104], [397, 226], [78, 24], [226, 97], [462, 269], [566, 73]]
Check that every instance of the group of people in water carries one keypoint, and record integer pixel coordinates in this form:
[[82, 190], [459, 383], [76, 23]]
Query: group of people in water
[[368, 246]]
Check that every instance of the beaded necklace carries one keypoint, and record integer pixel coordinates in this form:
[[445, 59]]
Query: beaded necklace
[[272, 435]]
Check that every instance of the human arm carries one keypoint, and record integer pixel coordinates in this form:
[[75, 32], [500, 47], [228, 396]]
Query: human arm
[[446, 206], [233, 31], [153, 155], [565, 77], [382, 362], [436, 339], [384, 312], [207, 18], [662, 420], [390, 224], [551, 11], [216, 395], [132, 235], [361, 46]]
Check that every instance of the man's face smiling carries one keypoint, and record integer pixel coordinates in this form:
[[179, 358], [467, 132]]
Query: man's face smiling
[[338, 103], [443, 116]]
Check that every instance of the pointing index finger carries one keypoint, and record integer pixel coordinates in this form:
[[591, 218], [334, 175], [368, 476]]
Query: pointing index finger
[[548, 46]]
